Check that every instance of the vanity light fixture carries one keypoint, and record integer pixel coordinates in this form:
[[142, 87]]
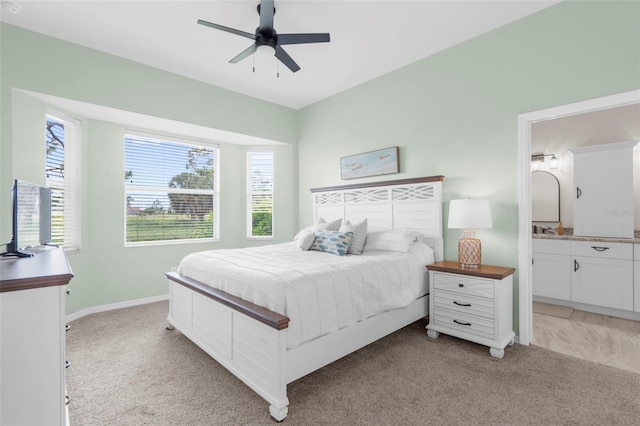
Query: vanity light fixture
[[469, 215], [538, 162]]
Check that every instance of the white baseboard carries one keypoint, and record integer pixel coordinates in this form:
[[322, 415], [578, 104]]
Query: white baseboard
[[112, 306]]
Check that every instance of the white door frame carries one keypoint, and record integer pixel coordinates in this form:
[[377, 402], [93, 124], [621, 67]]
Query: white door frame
[[524, 192]]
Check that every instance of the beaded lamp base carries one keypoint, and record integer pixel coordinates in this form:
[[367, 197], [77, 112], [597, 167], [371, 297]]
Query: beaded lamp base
[[469, 252]]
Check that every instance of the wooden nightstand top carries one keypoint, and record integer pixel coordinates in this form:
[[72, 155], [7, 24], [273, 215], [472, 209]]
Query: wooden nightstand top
[[484, 271]]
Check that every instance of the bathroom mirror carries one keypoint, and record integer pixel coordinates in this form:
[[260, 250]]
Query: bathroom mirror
[[545, 197]]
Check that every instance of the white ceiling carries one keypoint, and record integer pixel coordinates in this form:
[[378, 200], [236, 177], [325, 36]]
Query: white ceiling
[[368, 38]]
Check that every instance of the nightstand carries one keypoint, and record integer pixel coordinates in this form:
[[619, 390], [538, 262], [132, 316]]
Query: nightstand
[[472, 304]]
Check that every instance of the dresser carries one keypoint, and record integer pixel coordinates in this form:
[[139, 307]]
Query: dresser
[[473, 304], [32, 327]]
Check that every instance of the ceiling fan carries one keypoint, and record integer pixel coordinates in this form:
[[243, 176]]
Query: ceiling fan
[[266, 35]]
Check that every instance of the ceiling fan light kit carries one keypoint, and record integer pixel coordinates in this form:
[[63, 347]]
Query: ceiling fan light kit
[[266, 35]]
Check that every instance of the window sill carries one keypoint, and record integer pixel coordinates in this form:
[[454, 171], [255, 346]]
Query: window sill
[[171, 242]]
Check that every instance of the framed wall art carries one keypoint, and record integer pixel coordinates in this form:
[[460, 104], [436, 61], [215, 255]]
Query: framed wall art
[[373, 163]]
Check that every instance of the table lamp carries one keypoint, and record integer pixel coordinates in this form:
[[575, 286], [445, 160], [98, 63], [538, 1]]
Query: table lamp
[[469, 215]]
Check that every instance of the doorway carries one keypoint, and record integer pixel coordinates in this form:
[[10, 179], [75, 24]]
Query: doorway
[[525, 121]]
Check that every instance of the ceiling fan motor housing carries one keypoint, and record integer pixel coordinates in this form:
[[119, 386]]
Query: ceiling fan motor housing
[[266, 37]]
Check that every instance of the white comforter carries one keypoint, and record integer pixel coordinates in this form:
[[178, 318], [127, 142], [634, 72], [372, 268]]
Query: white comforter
[[319, 292]]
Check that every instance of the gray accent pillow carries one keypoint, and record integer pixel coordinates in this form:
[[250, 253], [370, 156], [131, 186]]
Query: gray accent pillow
[[359, 230]]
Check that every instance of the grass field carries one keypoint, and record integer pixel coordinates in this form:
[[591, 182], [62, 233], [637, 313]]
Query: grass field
[[158, 227]]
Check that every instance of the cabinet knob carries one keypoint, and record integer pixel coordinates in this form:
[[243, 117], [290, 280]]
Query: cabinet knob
[[460, 285]]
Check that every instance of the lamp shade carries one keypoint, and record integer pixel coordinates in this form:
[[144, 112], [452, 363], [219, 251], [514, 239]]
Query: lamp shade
[[470, 214]]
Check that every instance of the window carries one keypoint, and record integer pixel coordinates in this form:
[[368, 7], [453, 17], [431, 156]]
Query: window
[[170, 190], [260, 195], [62, 175]]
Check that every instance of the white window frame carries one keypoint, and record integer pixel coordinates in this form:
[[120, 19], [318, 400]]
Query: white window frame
[[215, 191], [72, 181], [251, 193]]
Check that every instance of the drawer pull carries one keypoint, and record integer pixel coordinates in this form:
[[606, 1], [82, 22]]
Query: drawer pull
[[460, 285], [461, 304], [596, 248], [461, 322]]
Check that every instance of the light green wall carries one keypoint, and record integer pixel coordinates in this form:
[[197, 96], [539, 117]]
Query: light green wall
[[105, 271], [455, 113]]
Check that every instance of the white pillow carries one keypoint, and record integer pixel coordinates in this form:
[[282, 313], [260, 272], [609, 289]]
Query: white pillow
[[305, 239], [334, 225], [359, 235], [391, 240], [302, 232]]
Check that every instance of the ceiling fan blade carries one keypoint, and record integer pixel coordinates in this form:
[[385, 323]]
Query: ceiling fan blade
[[248, 51], [303, 38], [286, 59], [227, 29], [266, 13]]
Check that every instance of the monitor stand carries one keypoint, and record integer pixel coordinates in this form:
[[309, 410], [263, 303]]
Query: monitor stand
[[12, 251], [15, 254]]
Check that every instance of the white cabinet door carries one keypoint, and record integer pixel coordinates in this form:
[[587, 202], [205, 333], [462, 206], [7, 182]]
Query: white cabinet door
[[603, 178], [602, 282], [551, 276]]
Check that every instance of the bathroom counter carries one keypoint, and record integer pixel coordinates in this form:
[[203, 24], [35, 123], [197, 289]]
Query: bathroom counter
[[571, 237]]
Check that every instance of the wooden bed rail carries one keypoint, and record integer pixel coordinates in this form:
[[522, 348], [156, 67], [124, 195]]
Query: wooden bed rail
[[264, 315]]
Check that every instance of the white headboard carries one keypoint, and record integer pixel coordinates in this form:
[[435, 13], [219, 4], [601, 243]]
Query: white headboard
[[414, 204]]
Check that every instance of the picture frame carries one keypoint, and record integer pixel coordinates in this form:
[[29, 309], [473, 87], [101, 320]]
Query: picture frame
[[373, 163]]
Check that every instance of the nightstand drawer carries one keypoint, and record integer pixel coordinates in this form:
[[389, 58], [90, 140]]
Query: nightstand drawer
[[463, 284], [464, 303], [467, 323]]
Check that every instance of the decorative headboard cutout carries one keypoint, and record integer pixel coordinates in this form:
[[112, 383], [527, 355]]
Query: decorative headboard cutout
[[414, 204]]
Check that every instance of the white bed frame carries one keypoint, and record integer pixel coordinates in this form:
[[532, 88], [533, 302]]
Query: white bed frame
[[251, 341]]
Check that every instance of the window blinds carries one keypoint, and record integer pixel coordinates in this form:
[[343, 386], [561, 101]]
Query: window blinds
[[260, 194], [169, 190], [62, 175]]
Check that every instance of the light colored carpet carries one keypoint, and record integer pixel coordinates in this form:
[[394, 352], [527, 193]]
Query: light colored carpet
[[126, 369], [553, 310]]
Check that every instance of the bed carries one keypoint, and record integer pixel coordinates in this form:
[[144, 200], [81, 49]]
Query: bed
[[267, 349]]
